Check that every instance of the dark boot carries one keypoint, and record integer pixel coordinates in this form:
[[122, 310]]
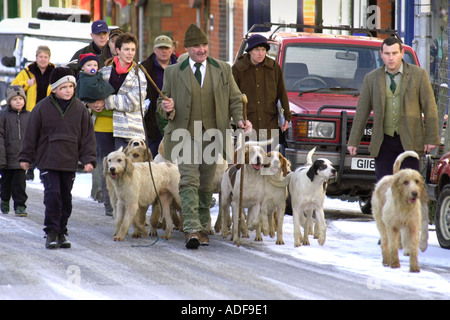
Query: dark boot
[[21, 211], [5, 206], [51, 242], [62, 241]]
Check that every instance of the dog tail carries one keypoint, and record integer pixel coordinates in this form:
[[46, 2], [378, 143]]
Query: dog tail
[[402, 157], [309, 156]]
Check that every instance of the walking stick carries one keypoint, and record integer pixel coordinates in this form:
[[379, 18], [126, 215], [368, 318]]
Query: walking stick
[[244, 111], [156, 87]]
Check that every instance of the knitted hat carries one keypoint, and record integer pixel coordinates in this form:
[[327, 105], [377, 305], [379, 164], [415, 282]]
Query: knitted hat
[[13, 91], [194, 36], [85, 57], [61, 75], [257, 40]]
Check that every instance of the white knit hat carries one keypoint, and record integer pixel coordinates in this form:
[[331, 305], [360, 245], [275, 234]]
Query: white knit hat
[[59, 76]]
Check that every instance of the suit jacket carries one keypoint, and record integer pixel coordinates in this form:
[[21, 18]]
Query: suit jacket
[[417, 98], [177, 85]]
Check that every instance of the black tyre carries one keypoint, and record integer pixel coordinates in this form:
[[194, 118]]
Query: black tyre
[[442, 218]]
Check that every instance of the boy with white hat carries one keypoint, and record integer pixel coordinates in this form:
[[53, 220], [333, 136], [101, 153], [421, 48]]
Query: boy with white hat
[[58, 135]]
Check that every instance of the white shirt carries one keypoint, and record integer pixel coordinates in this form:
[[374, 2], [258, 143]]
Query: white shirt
[[202, 69]]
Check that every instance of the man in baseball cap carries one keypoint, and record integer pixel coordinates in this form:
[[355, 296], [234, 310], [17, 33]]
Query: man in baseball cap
[[99, 26], [99, 35]]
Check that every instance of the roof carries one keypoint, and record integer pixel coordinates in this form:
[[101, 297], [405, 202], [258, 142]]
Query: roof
[[48, 28]]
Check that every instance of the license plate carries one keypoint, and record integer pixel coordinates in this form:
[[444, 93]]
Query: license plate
[[367, 164]]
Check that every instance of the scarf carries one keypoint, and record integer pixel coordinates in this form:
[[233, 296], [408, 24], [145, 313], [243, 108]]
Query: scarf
[[119, 68]]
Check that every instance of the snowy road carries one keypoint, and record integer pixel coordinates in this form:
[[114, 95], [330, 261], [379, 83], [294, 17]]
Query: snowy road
[[348, 266]]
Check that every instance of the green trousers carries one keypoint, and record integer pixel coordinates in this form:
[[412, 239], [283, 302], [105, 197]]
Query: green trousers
[[195, 210]]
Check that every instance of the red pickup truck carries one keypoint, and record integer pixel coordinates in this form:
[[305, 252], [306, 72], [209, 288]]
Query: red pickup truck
[[323, 74]]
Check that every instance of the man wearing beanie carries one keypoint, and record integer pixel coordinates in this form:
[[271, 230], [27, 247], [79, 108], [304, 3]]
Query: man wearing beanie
[[13, 121], [201, 95], [59, 134], [260, 78]]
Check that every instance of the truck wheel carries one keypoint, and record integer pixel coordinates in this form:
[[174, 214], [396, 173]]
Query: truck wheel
[[442, 218]]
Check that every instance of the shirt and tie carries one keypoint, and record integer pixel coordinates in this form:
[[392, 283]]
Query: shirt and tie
[[199, 70], [393, 102]]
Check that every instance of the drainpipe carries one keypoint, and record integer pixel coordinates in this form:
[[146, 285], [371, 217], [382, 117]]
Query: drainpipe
[[422, 32]]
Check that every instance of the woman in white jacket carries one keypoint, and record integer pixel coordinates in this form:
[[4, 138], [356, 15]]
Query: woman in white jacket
[[118, 118]]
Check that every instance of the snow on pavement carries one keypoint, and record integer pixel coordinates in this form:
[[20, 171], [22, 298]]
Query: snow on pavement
[[351, 245]]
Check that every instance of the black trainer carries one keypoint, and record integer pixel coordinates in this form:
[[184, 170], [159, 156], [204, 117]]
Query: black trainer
[[62, 241], [5, 206], [51, 242]]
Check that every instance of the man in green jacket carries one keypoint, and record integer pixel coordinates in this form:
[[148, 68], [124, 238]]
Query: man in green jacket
[[399, 94], [202, 96]]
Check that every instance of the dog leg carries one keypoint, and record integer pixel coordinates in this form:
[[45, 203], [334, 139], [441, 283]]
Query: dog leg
[[128, 218], [280, 218], [235, 232], [393, 239], [218, 225], [412, 233], [296, 213], [166, 199], [119, 217], [139, 223], [258, 236], [265, 224], [272, 224], [322, 226], [384, 244], [377, 212], [244, 229], [424, 227], [224, 210], [154, 219], [306, 228]]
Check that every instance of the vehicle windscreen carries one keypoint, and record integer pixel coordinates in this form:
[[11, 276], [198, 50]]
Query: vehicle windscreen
[[330, 68]]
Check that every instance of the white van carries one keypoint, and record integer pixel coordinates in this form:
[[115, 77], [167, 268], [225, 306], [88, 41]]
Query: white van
[[63, 30]]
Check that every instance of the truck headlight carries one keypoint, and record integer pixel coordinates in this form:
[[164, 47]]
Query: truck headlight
[[321, 129], [305, 129]]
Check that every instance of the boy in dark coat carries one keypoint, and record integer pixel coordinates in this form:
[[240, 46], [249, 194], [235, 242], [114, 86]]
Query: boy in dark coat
[[13, 121], [58, 135]]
